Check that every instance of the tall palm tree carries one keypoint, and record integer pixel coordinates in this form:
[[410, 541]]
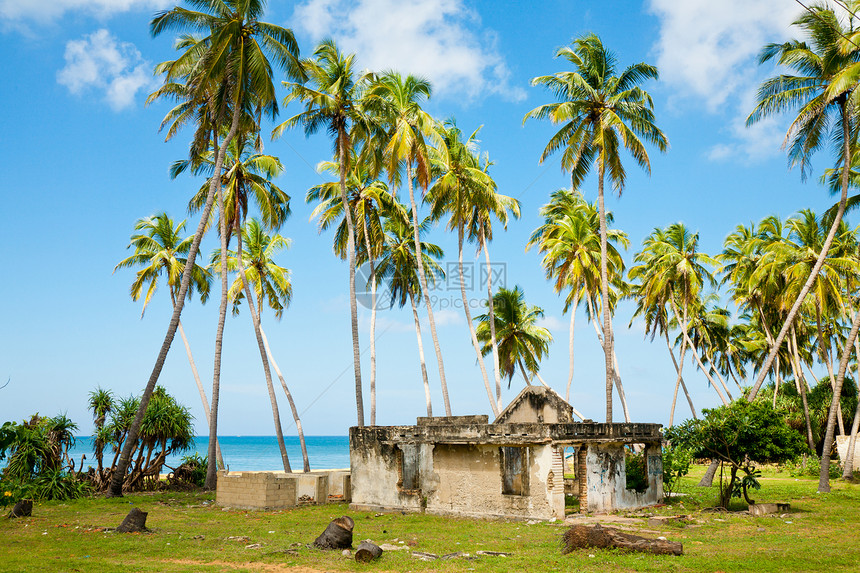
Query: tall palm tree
[[395, 102], [828, 68], [600, 113], [368, 198], [246, 181], [460, 187], [672, 273], [331, 102], [522, 344], [569, 240], [270, 284], [229, 64], [159, 248], [480, 224], [399, 268]]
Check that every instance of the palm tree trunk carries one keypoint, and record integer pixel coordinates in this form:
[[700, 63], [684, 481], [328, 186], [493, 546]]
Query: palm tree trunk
[[843, 198], [523, 370], [776, 383], [203, 399], [115, 489], [570, 348], [305, 460], [696, 354], [798, 376], [491, 310], [342, 149], [824, 476], [713, 368], [680, 380], [255, 319], [620, 387], [422, 277], [372, 321], [848, 464], [474, 337], [225, 233], [421, 356], [616, 378], [604, 291]]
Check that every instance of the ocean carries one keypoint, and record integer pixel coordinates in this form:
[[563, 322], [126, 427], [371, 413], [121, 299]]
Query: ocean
[[248, 453]]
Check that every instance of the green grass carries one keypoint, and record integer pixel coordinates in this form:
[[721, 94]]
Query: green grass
[[188, 535]]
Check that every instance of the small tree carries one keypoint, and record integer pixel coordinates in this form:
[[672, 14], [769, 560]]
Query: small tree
[[740, 435]]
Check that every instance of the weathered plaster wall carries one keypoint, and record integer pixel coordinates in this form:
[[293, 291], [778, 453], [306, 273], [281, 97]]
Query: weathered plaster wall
[[606, 478]]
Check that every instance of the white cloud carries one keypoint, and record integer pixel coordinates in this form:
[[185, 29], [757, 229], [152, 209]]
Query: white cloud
[[707, 53], [102, 63], [447, 317], [47, 10], [435, 39], [552, 323], [708, 49]]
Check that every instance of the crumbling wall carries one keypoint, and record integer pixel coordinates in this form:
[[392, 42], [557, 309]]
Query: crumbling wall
[[606, 478], [470, 483]]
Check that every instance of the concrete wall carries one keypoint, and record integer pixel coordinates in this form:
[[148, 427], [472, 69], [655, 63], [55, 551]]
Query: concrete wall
[[274, 490], [457, 479], [606, 478]]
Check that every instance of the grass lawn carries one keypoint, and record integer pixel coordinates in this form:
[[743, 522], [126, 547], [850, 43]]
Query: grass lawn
[[189, 533]]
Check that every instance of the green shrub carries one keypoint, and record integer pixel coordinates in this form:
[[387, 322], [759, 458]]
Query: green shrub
[[192, 470], [811, 468], [676, 464], [637, 478]]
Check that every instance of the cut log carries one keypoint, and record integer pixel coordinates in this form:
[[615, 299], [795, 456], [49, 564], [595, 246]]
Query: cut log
[[134, 522], [367, 552], [23, 508], [586, 536], [338, 534]]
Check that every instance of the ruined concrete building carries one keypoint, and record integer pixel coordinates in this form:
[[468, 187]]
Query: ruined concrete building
[[514, 467]]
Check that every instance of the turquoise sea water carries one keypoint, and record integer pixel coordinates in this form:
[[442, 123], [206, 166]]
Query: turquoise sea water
[[250, 452]]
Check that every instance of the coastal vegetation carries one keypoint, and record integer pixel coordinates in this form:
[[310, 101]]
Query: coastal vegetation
[[758, 319], [190, 533]]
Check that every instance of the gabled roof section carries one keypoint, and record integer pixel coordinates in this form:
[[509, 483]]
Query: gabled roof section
[[537, 404]]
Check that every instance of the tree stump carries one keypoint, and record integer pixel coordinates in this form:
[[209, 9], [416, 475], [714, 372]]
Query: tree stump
[[23, 508], [338, 534], [367, 552], [134, 522], [583, 536]]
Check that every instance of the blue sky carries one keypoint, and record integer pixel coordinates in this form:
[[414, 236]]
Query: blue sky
[[85, 160]]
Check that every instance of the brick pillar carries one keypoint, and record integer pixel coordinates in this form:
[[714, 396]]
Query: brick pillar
[[581, 478]]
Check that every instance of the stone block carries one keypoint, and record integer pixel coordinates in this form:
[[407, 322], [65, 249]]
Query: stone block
[[769, 508]]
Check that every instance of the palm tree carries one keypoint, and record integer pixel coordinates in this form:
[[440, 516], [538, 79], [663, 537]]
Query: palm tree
[[159, 249], [226, 69], [368, 198], [399, 267], [671, 272], [480, 225], [461, 187], [270, 284], [331, 103], [600, 113], [395, 103], [522, 344], [101, 403], [569, 240], [825, 92]]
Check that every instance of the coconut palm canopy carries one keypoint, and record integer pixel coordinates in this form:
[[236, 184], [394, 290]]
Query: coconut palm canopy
[[102, 164]]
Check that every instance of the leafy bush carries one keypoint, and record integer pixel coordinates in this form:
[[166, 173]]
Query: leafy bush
[[39, 466], [637, 478], [192, 470], [739, 435], [676, 464], [811, 468]]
